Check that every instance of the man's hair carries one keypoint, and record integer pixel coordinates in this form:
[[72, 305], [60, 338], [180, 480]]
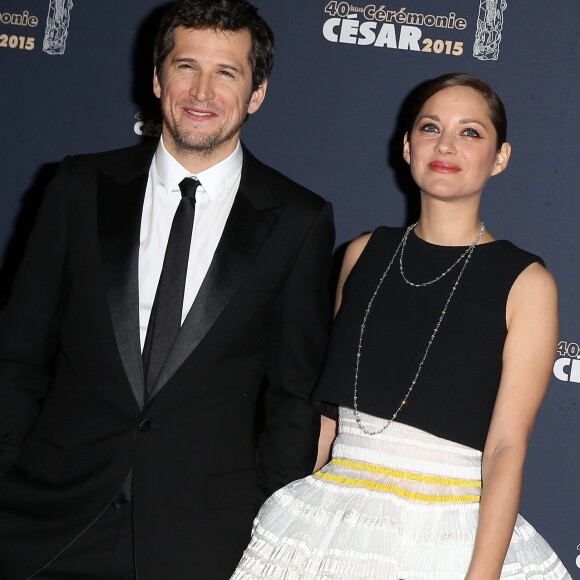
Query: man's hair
[[221, 15]]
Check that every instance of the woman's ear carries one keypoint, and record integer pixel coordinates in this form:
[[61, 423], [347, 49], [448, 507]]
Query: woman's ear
[[406, 148], [502, 158]]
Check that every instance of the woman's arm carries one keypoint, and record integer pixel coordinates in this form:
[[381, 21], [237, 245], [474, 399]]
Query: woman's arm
[[328, 427], [328, 430], [528, 356]]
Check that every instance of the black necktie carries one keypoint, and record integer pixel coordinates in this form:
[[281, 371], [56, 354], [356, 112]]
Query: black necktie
[[165, 318]]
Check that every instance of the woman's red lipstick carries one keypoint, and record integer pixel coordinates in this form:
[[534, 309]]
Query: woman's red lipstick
[[444, 167]]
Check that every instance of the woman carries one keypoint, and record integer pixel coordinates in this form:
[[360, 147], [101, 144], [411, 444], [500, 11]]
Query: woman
[[440, 356]]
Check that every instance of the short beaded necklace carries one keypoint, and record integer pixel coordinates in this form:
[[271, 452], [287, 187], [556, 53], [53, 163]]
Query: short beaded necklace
[[466, 255]]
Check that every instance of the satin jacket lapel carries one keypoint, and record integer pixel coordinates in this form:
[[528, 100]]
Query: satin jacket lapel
[[120, 204], [246, 231]]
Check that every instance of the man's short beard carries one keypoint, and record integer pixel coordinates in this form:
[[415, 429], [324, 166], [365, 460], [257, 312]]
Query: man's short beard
[[202, 146]]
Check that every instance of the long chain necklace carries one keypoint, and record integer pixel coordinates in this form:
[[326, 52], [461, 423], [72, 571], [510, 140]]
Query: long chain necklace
[[401, 247], [467, 251]]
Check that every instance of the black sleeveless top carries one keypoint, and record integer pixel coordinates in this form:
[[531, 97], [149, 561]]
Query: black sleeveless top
[[456, 390]]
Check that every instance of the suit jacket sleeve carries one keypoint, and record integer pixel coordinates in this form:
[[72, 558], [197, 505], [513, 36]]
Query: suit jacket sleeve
[[29, 326], [288, 444]]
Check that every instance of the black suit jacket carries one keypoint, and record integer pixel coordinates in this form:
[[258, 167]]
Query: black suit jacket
[[73, 417]]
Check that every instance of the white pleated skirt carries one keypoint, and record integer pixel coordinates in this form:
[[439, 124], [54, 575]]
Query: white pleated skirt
[[400, 505]]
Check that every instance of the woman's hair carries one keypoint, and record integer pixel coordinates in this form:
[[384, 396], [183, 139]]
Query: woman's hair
[[222, 15], [496, 108]]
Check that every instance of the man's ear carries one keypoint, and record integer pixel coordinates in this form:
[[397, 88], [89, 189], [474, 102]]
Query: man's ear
[[502, 158], [156, 84], [257, 97]]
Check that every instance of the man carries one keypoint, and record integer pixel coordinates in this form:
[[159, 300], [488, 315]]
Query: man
[[127, 445]]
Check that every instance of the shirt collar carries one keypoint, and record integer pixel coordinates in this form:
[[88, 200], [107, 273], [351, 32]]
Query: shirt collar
[[214, 180]]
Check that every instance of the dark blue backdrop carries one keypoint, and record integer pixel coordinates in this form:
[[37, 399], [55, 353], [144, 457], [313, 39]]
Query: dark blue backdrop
[[77, 77]]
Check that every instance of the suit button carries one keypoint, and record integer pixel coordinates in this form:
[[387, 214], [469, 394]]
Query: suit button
[[145, 426]]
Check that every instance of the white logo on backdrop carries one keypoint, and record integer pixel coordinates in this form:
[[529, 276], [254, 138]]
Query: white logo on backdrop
[[147, 127], [489, 27], [57, 23], [403, 28], [567, 365]]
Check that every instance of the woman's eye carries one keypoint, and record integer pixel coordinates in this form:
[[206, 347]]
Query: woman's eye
[[429, 128], [471, 133]]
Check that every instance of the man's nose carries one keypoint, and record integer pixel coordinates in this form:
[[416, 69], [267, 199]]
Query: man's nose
[[202, 88]]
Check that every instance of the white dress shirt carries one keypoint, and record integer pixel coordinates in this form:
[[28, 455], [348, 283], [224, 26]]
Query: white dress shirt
[[214, 200]]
